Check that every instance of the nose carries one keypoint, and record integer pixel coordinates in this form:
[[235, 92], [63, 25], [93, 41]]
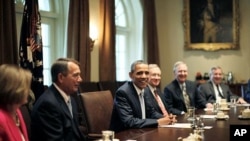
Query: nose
[[79, 79]]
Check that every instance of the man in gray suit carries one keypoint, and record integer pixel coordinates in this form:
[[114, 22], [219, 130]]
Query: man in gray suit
[[214, 90]]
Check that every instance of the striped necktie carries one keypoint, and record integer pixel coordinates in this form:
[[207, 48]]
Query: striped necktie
[[219, 92]]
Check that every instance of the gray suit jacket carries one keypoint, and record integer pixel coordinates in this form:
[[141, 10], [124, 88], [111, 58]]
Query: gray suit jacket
[[174, 97], [127, 110], [206, 93]]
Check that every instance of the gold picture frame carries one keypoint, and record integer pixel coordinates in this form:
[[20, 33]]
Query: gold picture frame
[[204, 32]]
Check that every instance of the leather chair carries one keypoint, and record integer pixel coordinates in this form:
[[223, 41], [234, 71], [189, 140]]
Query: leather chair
[[26, 117], [97, 108], [109, 85], [89, 87]]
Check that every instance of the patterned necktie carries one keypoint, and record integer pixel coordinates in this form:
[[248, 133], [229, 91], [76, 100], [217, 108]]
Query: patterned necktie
[[185, 96], [141, 98], [161, 105]]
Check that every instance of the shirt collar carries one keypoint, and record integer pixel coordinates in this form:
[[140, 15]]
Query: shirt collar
[[63, 94], [152, 89], [138, 90]]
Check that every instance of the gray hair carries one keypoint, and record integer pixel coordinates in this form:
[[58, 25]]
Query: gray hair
[[177, 64]]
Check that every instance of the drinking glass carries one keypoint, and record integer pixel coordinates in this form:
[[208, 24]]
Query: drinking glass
[[232, 101], [216, 107], [191, 113], [107, 135]]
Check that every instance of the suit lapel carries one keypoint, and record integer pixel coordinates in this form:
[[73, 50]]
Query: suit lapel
[[66, 110], [135, 99]]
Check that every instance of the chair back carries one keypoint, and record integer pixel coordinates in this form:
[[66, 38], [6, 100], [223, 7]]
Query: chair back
[[97, 108], [26, 117], [89, 87]]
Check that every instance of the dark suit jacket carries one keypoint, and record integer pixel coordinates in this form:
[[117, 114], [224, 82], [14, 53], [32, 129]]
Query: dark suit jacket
[[51, 119], [153, 101], [206, 93], [174, 97], [127, 110]]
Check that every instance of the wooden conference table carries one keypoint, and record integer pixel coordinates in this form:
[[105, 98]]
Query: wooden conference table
[[220, 128]]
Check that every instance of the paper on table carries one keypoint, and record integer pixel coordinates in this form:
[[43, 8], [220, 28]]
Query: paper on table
[[208, 116], [183, 125], [178, 125]]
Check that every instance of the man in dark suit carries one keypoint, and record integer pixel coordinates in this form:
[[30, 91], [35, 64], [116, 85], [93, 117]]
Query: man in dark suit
[[131, 109], [153, 91], [54, 115], [214, 90], [180, 94]]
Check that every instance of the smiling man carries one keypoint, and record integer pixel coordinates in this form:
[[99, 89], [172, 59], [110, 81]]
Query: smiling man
[[214, 90], [180, 93], [131, 108], [154, 92]]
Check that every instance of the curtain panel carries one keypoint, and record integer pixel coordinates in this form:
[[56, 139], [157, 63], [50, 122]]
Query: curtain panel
[[107, 59], [150, 35], [8, 33], [78, 45]]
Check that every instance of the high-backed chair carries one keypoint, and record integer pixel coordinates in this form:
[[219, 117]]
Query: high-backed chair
[[89, 87], [97, 107], [26, 117], [109, 85]]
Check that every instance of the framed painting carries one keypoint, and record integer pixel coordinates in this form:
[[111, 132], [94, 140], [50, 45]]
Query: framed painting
[[211, 25]]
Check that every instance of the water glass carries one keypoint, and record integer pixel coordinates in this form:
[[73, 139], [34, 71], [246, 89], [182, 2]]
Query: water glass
[[233, 101], [107, 135], [191, 113], [216, 107]]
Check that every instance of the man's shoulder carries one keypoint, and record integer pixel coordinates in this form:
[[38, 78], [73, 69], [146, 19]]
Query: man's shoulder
[[171, 84]]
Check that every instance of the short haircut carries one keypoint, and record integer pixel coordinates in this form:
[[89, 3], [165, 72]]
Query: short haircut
[[133, 65], [150, 66], [61, 66], [177, 64], [214, 68]]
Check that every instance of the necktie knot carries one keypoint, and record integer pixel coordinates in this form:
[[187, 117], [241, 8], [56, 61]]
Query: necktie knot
[[155, 92]]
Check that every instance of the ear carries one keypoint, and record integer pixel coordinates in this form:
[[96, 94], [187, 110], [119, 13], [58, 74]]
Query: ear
[[131, 75], [60, 77]]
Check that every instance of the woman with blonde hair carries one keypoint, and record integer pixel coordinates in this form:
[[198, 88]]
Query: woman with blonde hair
[[15, 85]]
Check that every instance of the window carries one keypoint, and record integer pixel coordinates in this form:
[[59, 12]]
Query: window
[[128, 18], [53, 18], [54, 22]]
